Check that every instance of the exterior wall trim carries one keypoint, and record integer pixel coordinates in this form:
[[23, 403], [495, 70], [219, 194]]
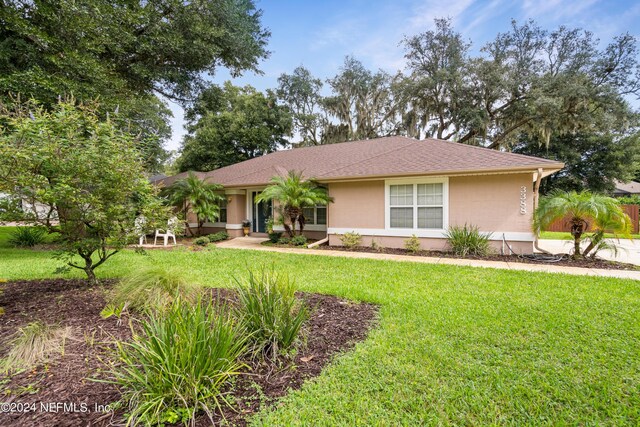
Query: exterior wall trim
[[434, 234], [215, 224], [233, 226], [310, 227]]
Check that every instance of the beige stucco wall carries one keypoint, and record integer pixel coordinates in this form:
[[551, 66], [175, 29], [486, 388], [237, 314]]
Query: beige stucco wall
[[357, 204], [236, 208], [491, 202]]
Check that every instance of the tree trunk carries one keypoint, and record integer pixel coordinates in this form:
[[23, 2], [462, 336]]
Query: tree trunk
[[91, 276], [577, 229], [293, 214], [595, 240], [302, 221], [88, 269]]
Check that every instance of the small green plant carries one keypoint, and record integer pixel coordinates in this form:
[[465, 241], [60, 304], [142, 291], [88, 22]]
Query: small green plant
[[218, 237], [412, 244], [150, 289], [284, 241], [299, 240], [270, 312], [35, 343], [376, 246], [468, 240], [27, 237], [179, 363], [202, 241], [351, 240], [275, 236], [269, 224]]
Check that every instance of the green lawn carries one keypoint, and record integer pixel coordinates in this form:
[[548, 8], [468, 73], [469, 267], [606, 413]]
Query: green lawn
[[5, 232], [454, 345]]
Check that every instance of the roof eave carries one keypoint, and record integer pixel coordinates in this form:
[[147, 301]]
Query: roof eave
[[548, 169]]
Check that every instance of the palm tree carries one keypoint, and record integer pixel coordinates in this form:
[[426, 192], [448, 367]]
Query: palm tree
[[193, 194], [294, 193], [604, 212]]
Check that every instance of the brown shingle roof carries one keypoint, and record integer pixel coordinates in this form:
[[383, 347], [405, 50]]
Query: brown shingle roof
[[389, 156]]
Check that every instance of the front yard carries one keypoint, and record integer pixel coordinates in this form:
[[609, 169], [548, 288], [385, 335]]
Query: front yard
[[453, 345]]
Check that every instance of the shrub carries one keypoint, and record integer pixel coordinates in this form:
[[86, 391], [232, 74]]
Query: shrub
[[284, 240], [412, 244], [178, 363], [218, 237], [202, 241], [27, 237], [275, 236], [34, 344], [150, 289], [468, 240], [270, 311], [299, 240], [351, 240], [376, 246]]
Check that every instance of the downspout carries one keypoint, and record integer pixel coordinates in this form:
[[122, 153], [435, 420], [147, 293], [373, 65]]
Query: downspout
[[318, 243], [536, 196]]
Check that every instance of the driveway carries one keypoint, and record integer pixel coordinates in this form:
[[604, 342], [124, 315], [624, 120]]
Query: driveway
[[628, 250]]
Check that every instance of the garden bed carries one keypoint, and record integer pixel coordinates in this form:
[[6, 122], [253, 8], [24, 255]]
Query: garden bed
[[335, 325], [565, 262]]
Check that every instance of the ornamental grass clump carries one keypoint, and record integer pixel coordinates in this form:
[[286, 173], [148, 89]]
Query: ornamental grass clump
[[468, 240], [27, 237], [270, 312], [178, 363], [150, 289], [34, 344]]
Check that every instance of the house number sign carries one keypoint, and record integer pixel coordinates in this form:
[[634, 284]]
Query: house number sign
[[523, 200]]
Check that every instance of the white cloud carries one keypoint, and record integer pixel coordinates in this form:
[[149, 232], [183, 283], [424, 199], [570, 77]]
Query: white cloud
[[553, 10], [424, 13]]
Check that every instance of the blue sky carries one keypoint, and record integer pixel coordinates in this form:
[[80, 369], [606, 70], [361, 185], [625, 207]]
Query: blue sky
[[319, 34]]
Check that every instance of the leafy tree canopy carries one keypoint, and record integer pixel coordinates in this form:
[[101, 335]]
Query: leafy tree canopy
[[197, 196], [86, 170], [230, 124], [527, 81], [293, 192], [583, 210], [593, 162], [362, 104], [125, 53]]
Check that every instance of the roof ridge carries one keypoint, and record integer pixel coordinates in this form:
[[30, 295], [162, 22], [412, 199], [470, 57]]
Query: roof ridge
[[413, 141]]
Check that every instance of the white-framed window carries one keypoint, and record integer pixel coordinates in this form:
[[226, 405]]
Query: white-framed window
[[316, 215], [417, 204], [222, 215]]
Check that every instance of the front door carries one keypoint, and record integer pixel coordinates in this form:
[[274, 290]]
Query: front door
[[261, 212]]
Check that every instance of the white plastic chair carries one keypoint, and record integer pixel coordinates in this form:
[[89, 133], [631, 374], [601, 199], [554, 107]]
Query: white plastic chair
[[171, 224], [139, 228]]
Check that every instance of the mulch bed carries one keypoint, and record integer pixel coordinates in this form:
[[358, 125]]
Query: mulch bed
[[335, 326], [565, 262]]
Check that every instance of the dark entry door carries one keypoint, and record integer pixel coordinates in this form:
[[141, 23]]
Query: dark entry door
[[261, 212]]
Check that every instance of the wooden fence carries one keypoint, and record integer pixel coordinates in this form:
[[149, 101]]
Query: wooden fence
[[631, 210]]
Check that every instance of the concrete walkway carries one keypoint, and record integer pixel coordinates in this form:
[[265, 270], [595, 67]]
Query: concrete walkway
[[254, 243]]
